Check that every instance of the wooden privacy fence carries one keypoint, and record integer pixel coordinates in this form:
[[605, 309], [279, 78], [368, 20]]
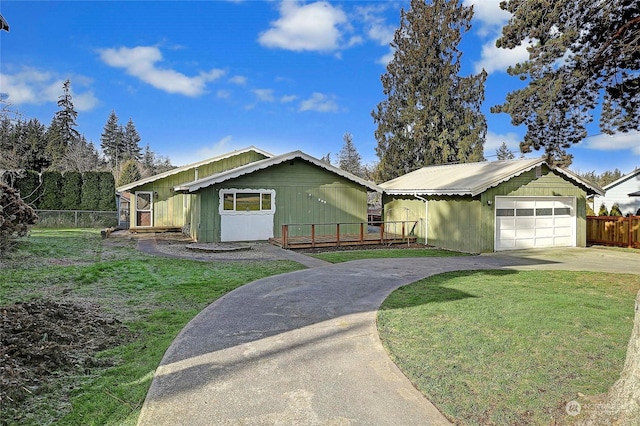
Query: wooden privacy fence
[[343, 234], [614, 230]]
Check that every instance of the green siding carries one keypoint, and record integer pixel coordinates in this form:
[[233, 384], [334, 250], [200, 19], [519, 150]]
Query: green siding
[[168, 206], [305, 194], [466, 223]]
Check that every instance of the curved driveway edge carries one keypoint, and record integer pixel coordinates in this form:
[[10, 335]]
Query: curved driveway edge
[[298, 348], [303, 348]]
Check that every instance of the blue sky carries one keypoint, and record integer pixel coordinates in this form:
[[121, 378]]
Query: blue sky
[[203, 78]]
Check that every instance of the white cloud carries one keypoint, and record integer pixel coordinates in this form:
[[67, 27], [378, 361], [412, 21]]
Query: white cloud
[[33, 86], [489, 15], [620, 141], [264, 95], [240, 80], [319, 102], [141, 62], [288, 98], [494, 141], [493, 58], [187, 156], [313, 27]]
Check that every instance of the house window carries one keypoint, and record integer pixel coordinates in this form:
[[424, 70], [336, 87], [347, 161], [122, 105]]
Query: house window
[[247, 201]]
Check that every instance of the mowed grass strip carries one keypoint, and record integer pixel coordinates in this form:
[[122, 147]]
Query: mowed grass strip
[[153, 296], [390, 253], [510, 348]]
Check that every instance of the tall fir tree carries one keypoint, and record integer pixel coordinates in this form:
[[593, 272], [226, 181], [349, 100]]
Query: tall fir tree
[[131, 141], [583, 57], [431, 114], [112, 141], [349, 158], [63, 128], [504, 153]]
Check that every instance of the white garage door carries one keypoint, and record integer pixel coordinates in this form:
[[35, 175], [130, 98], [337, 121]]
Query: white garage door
[[530, 222]]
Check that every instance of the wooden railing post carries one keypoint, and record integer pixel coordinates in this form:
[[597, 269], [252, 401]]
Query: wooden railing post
[[381, 232], [285, 229], [338, 234], [313, 235], [361, 232]]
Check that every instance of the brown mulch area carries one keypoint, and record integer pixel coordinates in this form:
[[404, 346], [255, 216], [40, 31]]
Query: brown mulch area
[[41, 339]]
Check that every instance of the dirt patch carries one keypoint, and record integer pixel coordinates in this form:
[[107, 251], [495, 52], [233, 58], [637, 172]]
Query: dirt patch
[[364, 247], [41, 339]]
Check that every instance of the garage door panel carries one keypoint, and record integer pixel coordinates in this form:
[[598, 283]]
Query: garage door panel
[[534, 222]]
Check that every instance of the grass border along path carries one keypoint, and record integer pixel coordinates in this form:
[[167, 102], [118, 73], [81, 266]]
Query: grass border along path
[[510, 347], [153, 296]]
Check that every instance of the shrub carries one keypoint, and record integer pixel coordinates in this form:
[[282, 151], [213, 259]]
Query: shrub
[[15, 218], [90, 193], [603, 210], [51, 195], [107, 192], [615, 210], [71, 190]]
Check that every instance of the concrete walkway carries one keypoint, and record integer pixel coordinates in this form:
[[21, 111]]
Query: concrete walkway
[[303, 348]]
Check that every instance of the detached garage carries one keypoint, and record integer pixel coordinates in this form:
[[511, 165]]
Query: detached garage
[[491, 206]]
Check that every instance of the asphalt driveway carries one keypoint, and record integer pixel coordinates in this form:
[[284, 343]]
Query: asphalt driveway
[[302, 348]]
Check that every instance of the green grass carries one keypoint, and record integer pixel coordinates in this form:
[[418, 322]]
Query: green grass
[[154, 296], [507, 347], [349, 255]]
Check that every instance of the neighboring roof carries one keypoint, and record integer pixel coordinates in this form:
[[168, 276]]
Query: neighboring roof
[[263, 164], [622, 179], [189, 166], [635, 194], [469, 178]]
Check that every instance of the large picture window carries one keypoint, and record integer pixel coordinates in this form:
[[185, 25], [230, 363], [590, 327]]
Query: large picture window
[[247, 201]]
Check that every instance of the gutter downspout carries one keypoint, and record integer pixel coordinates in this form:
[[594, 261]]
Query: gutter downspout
[[426, 217]]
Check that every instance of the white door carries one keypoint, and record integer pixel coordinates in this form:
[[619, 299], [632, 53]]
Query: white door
[[531, 222]]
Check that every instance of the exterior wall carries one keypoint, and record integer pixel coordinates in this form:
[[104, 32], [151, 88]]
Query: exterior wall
[[549, 184], [172, 209], [620, 194], [305, 194], [467, 224]]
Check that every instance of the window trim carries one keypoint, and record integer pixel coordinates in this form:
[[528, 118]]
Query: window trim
[[234, 191]]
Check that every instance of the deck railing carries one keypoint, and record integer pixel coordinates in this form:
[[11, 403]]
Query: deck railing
[[347, 233], [614, 230]]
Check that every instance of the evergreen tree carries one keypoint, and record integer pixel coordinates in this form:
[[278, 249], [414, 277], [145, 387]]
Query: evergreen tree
[[131, 141], [584, 57], [64, 126], [615, 210], [348, 158], [107, 192], [51, 195], [112, 141], [71, 190], [431, 114], [35, 157], [130, 172], [90, 193], [603, 210], [504, 153], [29, 187]]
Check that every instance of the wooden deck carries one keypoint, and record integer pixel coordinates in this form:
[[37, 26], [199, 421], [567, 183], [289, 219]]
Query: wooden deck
[[342, 239]]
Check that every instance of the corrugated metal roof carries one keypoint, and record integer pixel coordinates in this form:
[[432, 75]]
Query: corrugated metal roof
[[189, 166], [263, 164], [468, 178]]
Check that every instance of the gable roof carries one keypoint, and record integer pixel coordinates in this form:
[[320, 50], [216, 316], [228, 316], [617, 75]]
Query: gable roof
[[177, 170], [269, 162], [622, 179], [469, 178]]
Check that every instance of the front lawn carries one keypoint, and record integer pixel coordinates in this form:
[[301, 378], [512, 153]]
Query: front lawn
[[85, 322], [510, 348]]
